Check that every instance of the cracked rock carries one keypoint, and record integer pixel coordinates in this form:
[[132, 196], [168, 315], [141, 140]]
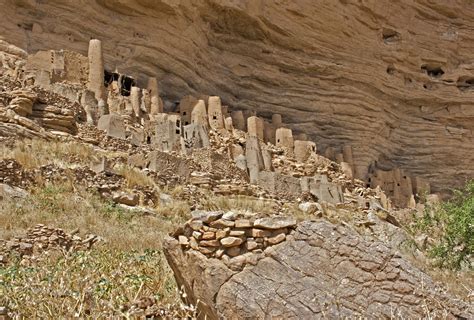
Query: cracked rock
[[321, 271]]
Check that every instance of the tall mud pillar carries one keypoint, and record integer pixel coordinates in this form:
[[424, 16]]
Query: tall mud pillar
[[96, 69], [156, 106]]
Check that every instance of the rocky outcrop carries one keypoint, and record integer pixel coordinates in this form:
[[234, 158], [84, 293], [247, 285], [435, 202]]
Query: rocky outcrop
[[320, 271], [393, 79]]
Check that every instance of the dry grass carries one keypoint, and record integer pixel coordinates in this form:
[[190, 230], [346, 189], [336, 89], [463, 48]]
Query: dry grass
[[239, 203], [134, 177], [95, 284], [37, 152], [127, 265], [68, 208]]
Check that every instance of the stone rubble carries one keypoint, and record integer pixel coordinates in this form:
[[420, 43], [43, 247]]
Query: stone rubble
[[41, 239]]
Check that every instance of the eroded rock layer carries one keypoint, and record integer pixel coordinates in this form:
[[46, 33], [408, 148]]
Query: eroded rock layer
[[393, 79]]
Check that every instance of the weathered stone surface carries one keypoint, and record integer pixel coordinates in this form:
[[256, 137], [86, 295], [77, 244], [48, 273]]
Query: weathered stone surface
[[231, 242], [129, 199], [8, 192], [206, 216], [321, 271], [113, 125], [275, 222]]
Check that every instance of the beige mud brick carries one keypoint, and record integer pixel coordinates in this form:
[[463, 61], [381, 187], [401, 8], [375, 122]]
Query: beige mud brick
[[304, 149], [228, 124], [284, 139], [135, 96], [216, 119], [255, 127], [96, 69], [276, 120], [347, 154], [347, 169], [113, 125], [199, 114], [186, 106], [156, 105], [238, 120]]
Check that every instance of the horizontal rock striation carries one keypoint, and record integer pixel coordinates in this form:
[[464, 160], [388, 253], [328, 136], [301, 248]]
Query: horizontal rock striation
[[393, 79]]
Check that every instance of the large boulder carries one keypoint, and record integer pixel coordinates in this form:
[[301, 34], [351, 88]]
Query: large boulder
[[321, 270]]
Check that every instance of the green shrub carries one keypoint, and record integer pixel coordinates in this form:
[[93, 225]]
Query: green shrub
[[451, 224]]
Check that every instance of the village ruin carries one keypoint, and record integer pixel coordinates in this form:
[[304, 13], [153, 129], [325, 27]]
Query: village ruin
[[115, 103]]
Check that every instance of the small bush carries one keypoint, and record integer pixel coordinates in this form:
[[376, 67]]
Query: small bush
[[451, 224]]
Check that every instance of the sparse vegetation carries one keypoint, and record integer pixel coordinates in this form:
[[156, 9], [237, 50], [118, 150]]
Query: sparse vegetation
[[243, 203], [127, 265], [34, 153], [451, 226], [100, 283], [134, 177]]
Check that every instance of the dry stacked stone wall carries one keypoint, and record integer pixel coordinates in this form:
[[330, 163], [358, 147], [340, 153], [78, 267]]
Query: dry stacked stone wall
[[236, 239]]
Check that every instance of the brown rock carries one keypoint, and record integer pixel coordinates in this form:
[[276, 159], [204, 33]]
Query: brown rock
[[209, 243], [385, 79], [259, 233], [208, 235], [276, 239], [243, 223], [197, 235], [233, 252], [237, 233], [221, 234], [221, 223], [231, 242], [183, 240], [251, 245], [129, 199]]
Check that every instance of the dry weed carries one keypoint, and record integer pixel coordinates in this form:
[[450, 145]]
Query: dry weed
[[134, 177], [37, 152], [126, 266]]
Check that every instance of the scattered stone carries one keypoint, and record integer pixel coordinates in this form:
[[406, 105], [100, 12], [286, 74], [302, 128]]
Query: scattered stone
[[308, 207], [129, 199], [165, 199]]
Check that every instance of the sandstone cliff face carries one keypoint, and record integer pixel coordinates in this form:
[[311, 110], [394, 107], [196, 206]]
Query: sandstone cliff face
[[395, 80]]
